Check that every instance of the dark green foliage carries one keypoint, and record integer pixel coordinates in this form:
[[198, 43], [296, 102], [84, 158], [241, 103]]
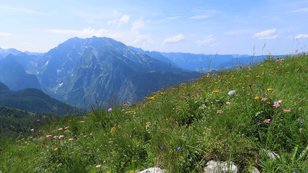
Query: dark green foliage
[[33, 100]]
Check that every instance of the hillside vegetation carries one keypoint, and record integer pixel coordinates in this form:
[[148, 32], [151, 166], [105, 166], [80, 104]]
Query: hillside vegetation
[[182, 128]]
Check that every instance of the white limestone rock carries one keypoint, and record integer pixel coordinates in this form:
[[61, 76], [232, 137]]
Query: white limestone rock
[[220, 167]]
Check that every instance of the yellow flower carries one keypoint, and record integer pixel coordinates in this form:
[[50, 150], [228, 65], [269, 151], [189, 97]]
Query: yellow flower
[[215, 91], [56, 149], [113, 130], [257, 98], [151, 98], [148, 125], [269, 89]]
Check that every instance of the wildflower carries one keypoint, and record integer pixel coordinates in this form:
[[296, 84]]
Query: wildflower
[[220, 111], [268, 103], [98, 166], [257, 98], [216, 91], [151, 98], [264, 99], [48, 136], [60, 129], [109, 110], [71, 139], [270, 89], [228, 103], [179, 149], [286, 110], [266, 120], [56, 149], [32, 130], [276, 105], [232, 92], [113, 130], [148, 125], [61, 136]]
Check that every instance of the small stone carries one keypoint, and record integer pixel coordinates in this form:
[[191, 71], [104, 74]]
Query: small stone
[[220, 167], [152, 170], [232, 92], [272, 155], [254, 170]]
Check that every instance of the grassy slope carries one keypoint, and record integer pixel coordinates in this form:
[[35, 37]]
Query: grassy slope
[[184, 127]]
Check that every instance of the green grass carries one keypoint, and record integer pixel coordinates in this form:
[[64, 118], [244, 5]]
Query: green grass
[[182, 128]]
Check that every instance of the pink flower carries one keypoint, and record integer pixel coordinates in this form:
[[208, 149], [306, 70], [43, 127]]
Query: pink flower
[[266, 120], [286, 110], [264, 99], [61, 136], [48, 136], [276, 105]]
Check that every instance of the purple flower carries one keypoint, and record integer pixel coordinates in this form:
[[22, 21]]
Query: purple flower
[[109, 110], [179, 149]]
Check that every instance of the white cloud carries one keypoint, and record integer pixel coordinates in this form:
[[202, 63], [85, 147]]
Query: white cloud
[[137, 25], [21, 10], [301, 10], [200, 17], [266, 34], [121, 20], [129, 37], [87, 32], [301, 36], [208, 41], [174, 17], [5, 34], [174, 39]]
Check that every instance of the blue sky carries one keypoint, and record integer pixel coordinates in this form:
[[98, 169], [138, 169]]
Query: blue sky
[[196, 26]]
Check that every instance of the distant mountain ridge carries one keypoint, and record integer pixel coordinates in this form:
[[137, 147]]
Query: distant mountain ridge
[[207, 63], [15, 77], [95, 72], [32, 100]]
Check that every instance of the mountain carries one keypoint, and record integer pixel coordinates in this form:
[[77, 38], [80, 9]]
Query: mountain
[[14, 75], [206, 63], [6, 52], [103, 72], [32, 100]]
